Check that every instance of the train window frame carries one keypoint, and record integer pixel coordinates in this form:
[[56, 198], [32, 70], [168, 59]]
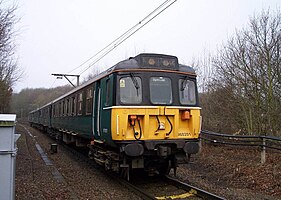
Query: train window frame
[[89, 101], [188, 91], [152, 92], [80, 103], [122, 93]]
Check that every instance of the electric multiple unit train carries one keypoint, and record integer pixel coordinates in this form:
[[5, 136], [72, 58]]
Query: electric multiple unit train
[[142, 113]]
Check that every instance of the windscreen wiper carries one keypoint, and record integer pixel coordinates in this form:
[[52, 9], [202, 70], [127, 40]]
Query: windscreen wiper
[[184, 83], [136, 84]]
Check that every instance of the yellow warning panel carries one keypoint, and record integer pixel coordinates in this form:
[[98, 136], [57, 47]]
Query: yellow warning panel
[[179, 196]]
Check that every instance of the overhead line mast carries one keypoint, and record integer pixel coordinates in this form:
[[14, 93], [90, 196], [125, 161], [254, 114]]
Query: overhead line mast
[[59, 76]]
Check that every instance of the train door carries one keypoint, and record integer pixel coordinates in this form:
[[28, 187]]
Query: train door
[[106, 104], [96, 110], [102, 113]]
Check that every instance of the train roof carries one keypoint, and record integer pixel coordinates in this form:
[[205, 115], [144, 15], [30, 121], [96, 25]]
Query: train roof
[[144, 61], [153, 62]]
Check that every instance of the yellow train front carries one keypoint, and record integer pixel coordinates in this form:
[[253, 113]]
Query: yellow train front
[[149, 117]]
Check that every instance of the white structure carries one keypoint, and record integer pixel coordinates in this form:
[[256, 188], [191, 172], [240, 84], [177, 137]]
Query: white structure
[[8, 151]]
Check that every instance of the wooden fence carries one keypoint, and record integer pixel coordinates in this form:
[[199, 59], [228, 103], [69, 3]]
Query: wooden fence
[[263, 142]]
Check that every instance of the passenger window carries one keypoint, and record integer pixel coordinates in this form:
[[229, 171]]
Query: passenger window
[[54, 110], [130, 90], [73, 99], [80, 102], [160, 90], [67, 107], [60, 109], [89, 101], [187, 92]]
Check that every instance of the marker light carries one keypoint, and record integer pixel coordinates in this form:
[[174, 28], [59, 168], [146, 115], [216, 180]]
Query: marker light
[[185, 115], [151, 61], [132, 119]]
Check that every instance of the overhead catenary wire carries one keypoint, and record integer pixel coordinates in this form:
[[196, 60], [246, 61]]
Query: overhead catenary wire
[[125, 38], [119, 40], [121, 36]]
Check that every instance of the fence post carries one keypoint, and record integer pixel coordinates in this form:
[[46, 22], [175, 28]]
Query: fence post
[[263, 150]]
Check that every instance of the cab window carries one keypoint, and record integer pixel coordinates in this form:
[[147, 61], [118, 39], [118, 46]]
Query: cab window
[[160, 90], [187, 92], [130, 90]]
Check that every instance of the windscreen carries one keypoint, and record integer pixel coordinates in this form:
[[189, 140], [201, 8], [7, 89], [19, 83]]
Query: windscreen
[[130, 90], [160, 90], [187, 92]]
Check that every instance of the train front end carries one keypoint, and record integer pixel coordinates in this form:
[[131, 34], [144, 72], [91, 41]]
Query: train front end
[[156, 119]]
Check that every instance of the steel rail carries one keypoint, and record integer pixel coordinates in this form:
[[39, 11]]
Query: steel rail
[[199, 192], [138, 191], [181, 185], [141, 193]]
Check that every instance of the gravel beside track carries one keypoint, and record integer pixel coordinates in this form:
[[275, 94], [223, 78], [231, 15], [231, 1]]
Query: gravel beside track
[[80, 180]]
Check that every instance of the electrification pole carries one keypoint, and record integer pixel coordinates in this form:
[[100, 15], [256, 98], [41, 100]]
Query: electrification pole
[[59, 76]]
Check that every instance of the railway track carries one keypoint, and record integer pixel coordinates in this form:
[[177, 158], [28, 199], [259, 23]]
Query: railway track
[[155, 188], [150, 187], [167, 188]]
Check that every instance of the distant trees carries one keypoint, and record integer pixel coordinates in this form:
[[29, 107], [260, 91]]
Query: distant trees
[[9, 71], [31, 99], [245, 92]]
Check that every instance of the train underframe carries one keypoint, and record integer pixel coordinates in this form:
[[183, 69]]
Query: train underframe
[[154, 157]]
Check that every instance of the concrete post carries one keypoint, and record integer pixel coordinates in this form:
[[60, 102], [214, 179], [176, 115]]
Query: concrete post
[[263, 151]]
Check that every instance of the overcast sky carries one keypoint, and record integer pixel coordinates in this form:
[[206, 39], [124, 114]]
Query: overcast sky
[[56, 36]]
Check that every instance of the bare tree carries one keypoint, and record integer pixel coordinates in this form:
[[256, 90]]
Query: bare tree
[[9, 71], [204, 70], [248, 70]]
